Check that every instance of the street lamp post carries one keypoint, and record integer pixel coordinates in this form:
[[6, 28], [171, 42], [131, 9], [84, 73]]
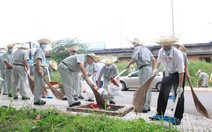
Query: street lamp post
[[172, 8]]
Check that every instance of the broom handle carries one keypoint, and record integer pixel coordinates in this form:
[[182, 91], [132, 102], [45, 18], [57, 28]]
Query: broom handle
[[120, 73], [47, 69]]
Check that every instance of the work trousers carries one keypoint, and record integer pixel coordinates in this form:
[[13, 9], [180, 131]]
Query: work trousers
[[3, 83], [19, 73], [68, 78], [39, 84], [9, 80], [143, 75], [167, 83]]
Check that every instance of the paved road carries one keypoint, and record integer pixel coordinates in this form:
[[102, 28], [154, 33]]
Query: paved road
[[205, 98]]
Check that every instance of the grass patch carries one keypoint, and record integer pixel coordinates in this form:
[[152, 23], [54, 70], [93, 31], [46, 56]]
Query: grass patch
[[12, 119]]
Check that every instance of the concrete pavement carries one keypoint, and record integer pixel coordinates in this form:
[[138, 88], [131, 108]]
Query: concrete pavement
[[189, 122]]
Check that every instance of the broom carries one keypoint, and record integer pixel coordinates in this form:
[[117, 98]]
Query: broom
[[57, 94], [200, 108], [100, 101], [140, 95], [31, 84]]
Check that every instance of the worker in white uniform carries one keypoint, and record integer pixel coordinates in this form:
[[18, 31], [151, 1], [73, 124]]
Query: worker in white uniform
[[107, 71], [145, 62], [69, 67], [8, 60], [20, 69], [203, 76], [3, 72]]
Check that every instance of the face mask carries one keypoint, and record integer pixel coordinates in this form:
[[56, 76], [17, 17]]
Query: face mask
[[109, 67], [10, 50], [167, 52], [43, 46]]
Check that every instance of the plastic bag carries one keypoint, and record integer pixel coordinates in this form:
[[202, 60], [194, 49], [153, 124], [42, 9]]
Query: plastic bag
[[115, 90], [88, 89]]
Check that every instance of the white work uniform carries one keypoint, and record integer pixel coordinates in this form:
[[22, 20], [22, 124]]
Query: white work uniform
[[144, 59], [68, 69], [39, 82], [3, 75], [205, 77], [8, 57], [19, 72]]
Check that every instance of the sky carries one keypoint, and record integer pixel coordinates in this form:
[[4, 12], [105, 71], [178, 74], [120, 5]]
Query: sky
[[111, 22]]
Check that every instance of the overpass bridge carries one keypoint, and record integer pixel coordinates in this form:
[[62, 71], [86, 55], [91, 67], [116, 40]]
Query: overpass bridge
[[194, 51]]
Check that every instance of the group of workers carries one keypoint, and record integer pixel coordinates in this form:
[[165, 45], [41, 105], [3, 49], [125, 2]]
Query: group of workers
[[77, 66]]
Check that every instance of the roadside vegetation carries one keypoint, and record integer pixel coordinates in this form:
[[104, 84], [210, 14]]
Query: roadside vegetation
[[50, 120], [193, 67]]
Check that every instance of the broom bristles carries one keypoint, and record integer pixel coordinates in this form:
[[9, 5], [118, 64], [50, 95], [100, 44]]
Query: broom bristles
[[31, 84], [57, 94], [100, 101], [199, 106], [140, 95]]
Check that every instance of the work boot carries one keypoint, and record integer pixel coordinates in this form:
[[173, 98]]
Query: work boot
[[81, 97], [75, 104], [25, 98], [15, 97], [112, 102], [40, 102], [10, 95], [177, 122]]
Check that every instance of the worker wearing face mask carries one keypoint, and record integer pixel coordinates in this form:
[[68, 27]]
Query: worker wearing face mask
[[39, 70], [8, 60], [173, 62], [107, 71]]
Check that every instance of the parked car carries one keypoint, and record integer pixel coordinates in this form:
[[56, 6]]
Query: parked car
[[131, 81]]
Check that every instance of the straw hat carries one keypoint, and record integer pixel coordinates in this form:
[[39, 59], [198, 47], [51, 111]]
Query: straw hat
[[95, 57], [44, 41], [167, 40], [109, 60], [73, 48], [10, 46], [198, 72], [136, 41], [23, 45], [181, 46]]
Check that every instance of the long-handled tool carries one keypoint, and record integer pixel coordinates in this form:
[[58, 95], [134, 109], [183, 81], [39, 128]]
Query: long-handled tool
[[57, 94], [31, 83], [113, 79], [200, 108], [140, 95]]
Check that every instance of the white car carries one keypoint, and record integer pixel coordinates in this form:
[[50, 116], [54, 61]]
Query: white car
[[131, 81]]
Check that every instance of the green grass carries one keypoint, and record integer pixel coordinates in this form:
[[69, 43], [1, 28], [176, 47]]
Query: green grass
[[193, 66], [21, 120]]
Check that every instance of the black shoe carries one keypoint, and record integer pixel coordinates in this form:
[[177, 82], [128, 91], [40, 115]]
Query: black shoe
[[81, 97], [177, 122], [65, 98], [43, 96], [144, 111], [76, 99], [75, 104], [90, 100], [40, 102], [112, 102], [5, 94], [149, 109], [10, 95], [15, 97], [25, 98]]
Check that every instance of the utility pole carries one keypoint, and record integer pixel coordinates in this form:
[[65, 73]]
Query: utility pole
[[172, 8]]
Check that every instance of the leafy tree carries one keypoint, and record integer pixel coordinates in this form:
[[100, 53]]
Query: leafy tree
[[59, 48]]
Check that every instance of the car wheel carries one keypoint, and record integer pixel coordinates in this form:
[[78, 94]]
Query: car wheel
[[123, 86], [158, 86]]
